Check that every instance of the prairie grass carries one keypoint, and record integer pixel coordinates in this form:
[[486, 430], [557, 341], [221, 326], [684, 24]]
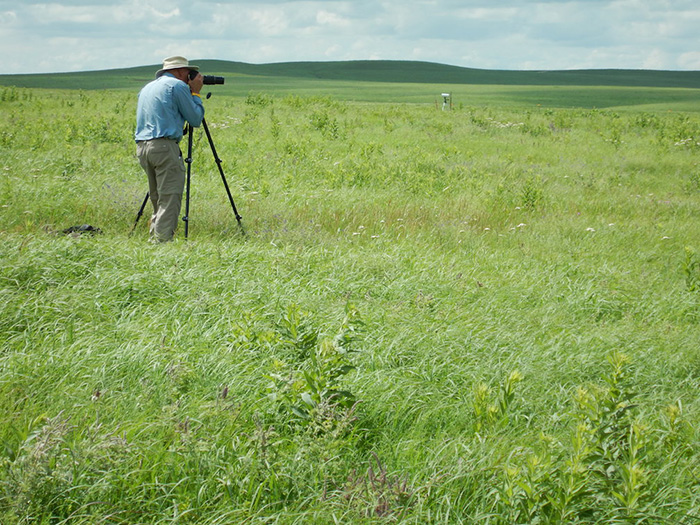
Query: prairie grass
[[488, 314]]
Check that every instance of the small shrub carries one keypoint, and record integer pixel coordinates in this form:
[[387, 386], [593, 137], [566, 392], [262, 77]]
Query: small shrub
[[258, 99], [532, 194], [691, 270], [327, 125], [311, 391], [490, 410]]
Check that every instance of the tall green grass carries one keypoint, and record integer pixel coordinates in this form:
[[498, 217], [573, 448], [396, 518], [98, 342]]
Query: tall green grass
[[488, 314]]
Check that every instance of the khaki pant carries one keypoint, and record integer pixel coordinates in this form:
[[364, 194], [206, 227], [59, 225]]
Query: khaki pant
[[162, 161]]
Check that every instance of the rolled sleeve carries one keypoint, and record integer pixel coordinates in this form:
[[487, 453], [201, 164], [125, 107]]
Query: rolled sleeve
[[189, 105]]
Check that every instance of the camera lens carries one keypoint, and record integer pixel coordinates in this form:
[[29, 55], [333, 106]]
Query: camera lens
[[210, 80]]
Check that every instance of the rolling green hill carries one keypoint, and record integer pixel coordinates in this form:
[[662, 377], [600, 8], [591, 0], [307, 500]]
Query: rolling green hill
[[406, 81], [371, 71], [431, 73]]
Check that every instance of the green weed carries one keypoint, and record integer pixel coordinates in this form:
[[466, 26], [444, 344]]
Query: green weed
[[313, 393], [691, 270]]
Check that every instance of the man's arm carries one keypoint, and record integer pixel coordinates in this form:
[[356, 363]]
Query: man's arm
[[189, 103]]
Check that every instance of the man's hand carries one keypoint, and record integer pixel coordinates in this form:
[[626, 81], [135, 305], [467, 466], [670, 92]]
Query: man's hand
[[196, 83]]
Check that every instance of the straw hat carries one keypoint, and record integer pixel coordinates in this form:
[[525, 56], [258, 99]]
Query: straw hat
[[175, 63]]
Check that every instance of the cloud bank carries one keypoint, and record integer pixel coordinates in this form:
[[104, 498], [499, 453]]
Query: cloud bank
[[73, 35]]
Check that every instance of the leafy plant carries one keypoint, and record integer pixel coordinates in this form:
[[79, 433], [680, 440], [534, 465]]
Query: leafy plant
[[489, 409], [259, 99], [327, 125], [691, 269], [314, 389]]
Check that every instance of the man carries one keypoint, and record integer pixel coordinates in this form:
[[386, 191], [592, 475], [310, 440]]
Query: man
[[164, 105]]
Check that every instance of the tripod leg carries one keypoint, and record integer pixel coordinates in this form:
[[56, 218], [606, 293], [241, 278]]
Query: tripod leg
[[138, 215], [223, 177], [188, 160]]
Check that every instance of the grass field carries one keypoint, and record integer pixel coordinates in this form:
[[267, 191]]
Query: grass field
[[486, 314]]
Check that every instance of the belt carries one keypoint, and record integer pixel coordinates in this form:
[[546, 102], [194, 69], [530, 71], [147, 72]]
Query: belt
[[158, 138]]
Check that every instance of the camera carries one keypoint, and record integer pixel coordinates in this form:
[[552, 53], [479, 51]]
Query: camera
[[209, 80]]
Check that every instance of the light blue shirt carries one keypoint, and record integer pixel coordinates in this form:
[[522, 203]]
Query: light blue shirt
[[163, 107]]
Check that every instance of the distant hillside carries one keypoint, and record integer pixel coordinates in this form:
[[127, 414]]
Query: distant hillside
[[368, 71], [432, 73]]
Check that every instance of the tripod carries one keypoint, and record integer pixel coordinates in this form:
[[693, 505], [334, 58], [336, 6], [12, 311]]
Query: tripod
[[188, 161]]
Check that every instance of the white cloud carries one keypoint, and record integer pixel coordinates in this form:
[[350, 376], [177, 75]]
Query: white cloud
[[496, 34], [269, 22], [8, 18], [690, 60], [655, 60], [58, 14], [327, 18]]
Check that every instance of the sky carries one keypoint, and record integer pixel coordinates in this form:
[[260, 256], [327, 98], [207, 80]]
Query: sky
[[82, 35]]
